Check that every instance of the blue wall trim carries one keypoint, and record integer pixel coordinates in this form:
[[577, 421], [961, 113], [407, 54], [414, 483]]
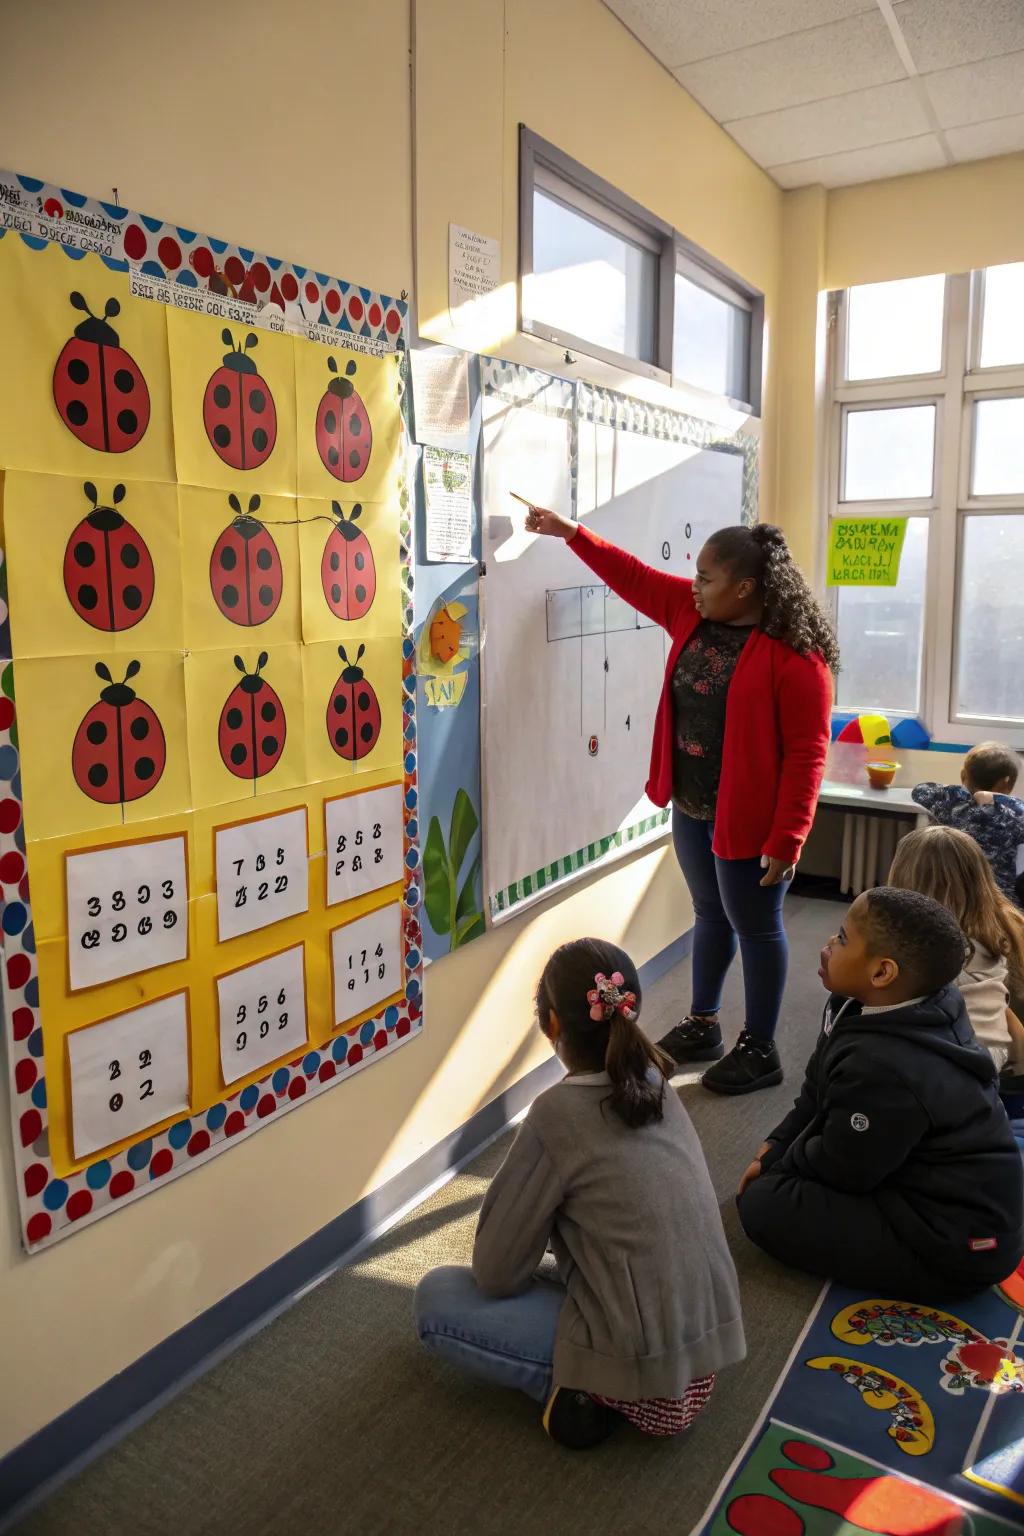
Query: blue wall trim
[[67, 1445]]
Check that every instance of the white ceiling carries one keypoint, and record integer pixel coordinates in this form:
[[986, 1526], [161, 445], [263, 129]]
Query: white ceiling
[[838, 91]]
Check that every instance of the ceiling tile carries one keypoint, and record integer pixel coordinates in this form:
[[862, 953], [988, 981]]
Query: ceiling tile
[[844, 56], [941, 33], [1003, 136], [853, 121], [881, 160], [972, 93], [679, 31]]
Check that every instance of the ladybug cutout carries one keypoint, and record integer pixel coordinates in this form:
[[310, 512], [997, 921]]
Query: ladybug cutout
[[119, 751], [108, 571], [252, 725], [238, 409], [344, 437], [245, 568], [98, 388], [347, 571], [445, 636], [353, 713]]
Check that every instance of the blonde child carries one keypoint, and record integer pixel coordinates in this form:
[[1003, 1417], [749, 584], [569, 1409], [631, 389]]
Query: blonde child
[[949, 866]]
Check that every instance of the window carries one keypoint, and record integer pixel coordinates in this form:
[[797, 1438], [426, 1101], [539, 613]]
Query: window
[[928, 423], [602, 276]]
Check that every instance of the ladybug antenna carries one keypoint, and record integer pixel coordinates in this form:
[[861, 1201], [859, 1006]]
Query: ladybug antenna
[[240, 664], [103, 671], [78, 302], [359, 653], [227, 338], [110, 309], [254, 503], [118, 495], [356, 512], [350, 370], [261, 662], [252, 340], [90, 491], [134, 668], [336, 509], [332, 364], [341, 653], [234, 503]]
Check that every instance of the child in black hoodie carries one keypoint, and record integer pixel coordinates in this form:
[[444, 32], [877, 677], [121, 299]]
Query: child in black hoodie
[[896, 1169]]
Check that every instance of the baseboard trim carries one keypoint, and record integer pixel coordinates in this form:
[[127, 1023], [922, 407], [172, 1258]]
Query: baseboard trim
[[65, 1446]]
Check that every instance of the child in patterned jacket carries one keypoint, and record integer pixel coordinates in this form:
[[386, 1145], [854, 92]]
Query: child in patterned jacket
[[983, 805]]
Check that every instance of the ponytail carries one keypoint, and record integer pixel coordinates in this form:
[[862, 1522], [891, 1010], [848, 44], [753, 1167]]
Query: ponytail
[[791, 612], [594, 990]]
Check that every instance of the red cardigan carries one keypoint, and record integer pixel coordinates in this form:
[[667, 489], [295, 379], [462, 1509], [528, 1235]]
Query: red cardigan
[[777, 716]]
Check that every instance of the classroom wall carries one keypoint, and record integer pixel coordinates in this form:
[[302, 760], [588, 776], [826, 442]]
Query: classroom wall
[[264, 126]]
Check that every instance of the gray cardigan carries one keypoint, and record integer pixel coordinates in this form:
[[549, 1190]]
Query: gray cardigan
[[652, 1300]]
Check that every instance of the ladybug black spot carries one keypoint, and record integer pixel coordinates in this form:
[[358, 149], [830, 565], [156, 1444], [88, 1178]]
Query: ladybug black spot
[[222, 436], [124, 382], [87, 598], [228, 558], [363, 701], [139, 728], [340, 703], [259, 439], [264, 559], [258, 401], [78, 370], [145, 768], [127, 421], [335, 593], [266, 596], [355, 426], [332, 457], [132, 599], [335, 560], [239, 754], [229, 597], [341, 736], [130, 557], [98, 775], [366, 731], [234, 719], [222, 396], [269, 745], [268, 712], [78, 413], [360, 594], [96, 733], [330, 422], [83, 554], [355, 458], [360, 560]]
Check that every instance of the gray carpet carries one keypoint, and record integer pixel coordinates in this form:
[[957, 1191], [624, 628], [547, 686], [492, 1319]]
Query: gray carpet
[[333, 1420]]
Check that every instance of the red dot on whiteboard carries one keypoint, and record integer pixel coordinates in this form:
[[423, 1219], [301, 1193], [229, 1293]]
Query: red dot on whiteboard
[[35, 1179], [234, 1123], [289, 287], [201, 261], [312, 292], [333, 301], [393, 322], [374, 314], [79, 1205], [327, 1071], [234, 271], [355, 309], [296, 1088], [38, 1227], [689, 556], [121, 1184], [198, 1143], [161, 1163], [169, 252], [260, 274], [266, 1106], [135, 243]]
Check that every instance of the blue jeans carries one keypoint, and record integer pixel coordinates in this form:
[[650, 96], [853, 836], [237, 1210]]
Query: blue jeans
[[510, 1342], [732, 905]]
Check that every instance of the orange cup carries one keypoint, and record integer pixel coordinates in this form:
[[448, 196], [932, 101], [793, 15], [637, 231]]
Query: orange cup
[[881, 774]]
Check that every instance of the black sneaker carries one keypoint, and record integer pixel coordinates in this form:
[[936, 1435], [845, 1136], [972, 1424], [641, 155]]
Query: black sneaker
[[693, 1040], [574, 1420], [750, 1065]]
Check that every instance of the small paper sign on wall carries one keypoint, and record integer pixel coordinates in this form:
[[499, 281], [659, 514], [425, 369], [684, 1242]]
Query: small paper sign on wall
[[865, 551]]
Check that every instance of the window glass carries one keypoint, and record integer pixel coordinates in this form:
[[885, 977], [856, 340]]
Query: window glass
[[894, 329], [1002, 316], [997, 465], [881, 635], [710, 341], [889, 453], [990, 679]]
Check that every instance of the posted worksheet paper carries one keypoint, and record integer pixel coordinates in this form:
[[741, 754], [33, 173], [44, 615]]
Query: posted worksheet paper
[[440, 391], [448, 494]]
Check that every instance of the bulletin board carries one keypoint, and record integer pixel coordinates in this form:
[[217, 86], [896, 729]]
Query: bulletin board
[[209, 852], [566, 762]]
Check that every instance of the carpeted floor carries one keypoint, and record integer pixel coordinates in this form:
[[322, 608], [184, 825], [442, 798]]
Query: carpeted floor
[[333, 1420]]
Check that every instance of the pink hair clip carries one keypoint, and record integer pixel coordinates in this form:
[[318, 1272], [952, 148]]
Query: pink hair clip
[[606, 998]]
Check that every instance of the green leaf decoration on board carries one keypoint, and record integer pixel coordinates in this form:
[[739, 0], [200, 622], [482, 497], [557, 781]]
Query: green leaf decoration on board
[[450, 908]]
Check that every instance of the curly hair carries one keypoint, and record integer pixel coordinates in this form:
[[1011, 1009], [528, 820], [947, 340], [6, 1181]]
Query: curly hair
[[791, 612]]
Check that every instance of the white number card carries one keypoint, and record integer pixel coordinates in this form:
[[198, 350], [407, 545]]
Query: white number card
[[364, 842], [262, 872], [127, 910], [262, 1013], [367, 961], [128, 1073]]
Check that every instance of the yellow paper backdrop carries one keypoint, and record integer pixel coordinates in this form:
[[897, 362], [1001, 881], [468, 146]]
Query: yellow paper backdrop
[[197, 353], [37, 320], [205, 514], [210, 678], [382, 668], [376, 382], [40, 514], [54, 696], [379, 522]]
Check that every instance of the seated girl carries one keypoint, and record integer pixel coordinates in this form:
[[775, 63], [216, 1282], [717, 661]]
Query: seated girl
[[607, 1169]]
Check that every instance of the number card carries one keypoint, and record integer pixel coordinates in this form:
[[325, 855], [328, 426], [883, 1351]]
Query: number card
[[262, 872], [127, 910], [364, 842], [367, 961], [128, 1073], [262, 1012]]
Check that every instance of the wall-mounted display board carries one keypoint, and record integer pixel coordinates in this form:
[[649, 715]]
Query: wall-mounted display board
[[209, 853]]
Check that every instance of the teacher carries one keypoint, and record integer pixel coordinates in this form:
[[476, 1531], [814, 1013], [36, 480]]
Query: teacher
[[740, 741]]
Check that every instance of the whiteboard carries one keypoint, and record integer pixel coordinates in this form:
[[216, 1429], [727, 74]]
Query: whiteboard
[[572, 675]]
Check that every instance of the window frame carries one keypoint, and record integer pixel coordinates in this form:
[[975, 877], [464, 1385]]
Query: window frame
[[545, 168], [954, 391]]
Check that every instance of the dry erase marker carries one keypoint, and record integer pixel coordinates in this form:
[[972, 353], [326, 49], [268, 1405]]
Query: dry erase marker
[[516, 497]]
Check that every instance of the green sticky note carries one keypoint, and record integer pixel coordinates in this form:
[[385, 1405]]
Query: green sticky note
[[865, 551]]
